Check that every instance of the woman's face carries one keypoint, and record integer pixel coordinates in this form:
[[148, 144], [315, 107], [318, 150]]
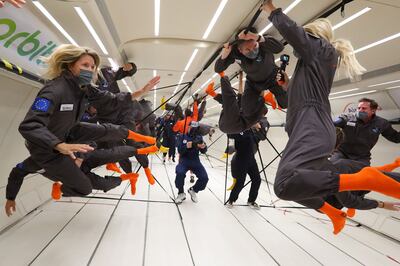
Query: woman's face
[[85, 62]]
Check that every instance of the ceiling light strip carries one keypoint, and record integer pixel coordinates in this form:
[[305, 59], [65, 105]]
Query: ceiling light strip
[[180, 81], [191, 59], [214, 18], [394, 87], [347, 20], [287, 10], [54, 21], [385, 83], [91, 29], [354, 94], [114, 65], [392, 37], [356, 89], [155, 88], [157, 7]]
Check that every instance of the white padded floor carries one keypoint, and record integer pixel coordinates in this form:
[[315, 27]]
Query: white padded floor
[[149, 229]]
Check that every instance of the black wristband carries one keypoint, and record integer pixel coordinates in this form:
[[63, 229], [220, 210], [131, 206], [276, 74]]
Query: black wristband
[[259, 38]]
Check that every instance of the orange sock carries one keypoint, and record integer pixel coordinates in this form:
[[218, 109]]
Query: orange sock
[[210, 90], [269, 98], [370, 178], [351, 212], [56, 191], [113, 167], [129, 176], [337, 217], [221, 74], [133, 185], [389, 167], [147, 150], [141, 138], [149, 175]]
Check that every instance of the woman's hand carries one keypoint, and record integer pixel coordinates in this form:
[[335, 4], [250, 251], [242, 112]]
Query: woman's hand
[[268, 6], [69, 149], [10, 207], [150, 85]]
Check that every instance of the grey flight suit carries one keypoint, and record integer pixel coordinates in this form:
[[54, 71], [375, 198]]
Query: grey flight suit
[[57, 108], [305, 174], [260, 75], [354, 153]]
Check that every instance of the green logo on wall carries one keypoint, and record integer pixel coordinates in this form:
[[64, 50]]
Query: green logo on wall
[[29, 45]]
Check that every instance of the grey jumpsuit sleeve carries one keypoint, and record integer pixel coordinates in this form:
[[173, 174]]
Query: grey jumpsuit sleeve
[[34, 127], [295, 35], [390, 133], [107, 100], [272, 44], [340, 122], [121, 73], [201, 110], [223, 64]]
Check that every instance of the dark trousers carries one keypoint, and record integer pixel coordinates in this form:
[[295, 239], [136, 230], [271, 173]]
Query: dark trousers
[[305, 174], [197, 168], [60, 167], [239, 169], [17, 175], [352, 199], [142, 159], [172, 150], [235, 117]]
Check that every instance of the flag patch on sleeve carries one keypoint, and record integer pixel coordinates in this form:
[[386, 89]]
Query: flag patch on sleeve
[[41, 105]]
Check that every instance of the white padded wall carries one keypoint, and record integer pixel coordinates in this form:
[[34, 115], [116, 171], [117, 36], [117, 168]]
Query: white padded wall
[[16, 98]]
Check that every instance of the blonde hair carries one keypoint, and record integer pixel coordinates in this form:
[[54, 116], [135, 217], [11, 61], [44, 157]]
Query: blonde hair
[[322, 28], [64, 56]]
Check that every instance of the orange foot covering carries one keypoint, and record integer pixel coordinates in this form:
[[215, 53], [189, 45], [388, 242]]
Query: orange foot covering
[[56, 191], [269, 98], [132, 177], [113, 167], [141, 138], [129, 176], [337, 217], [147, 150], [149, 175], [389, 167], [133, 185], [210, 90], [351, 212], [370, 178]]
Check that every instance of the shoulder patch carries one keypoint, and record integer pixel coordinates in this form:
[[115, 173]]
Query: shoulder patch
[[376, 130], [41, 104]]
